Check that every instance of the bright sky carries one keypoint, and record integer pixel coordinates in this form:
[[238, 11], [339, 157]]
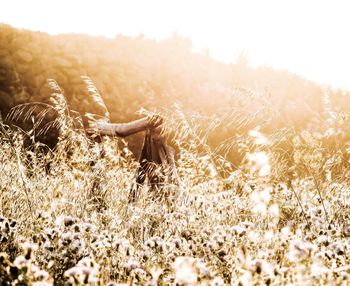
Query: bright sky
[[308, 37]]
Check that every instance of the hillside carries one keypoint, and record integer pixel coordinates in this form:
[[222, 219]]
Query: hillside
[[137, 72]]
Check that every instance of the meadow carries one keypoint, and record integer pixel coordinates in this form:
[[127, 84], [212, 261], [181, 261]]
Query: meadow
[[262, 156], [279, 218]]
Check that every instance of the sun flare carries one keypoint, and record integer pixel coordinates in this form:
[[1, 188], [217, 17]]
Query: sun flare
[[305, 37]]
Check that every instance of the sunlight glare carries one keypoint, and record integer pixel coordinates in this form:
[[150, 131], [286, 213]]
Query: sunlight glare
[[305, 37]]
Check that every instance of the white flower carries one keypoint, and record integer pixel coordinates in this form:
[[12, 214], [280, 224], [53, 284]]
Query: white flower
[[261, 266], [246, 279], [132, 264], [260, 200], [318, 269], [260, 139], [86, 270], [28, 246], [20, 261], [274, 211], [185, 271], [260, 163], [269, 235], [260, 208], [300, 250], [217, 281], [41, 275]]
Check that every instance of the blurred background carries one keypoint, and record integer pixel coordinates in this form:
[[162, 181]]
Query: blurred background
[[227, 66]]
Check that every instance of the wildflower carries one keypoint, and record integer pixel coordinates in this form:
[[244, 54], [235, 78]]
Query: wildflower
[[77, 245], [88, 227], [285, 231], [42, 283], [260, 208], [300, 250], [260, 266], [185, 271], [259, 138], [139, 272], [29, 248], [322, 240], [65, 221], [337, 248], [155, 273], [239, 230], [245, 279], [274, 211], [20, 261], [41, 275], [67, 238], [114, 284], [86, 271], [318, 269], [131, 264], [167, 247], [204, 272], [217, 281], [177, 242], [260, 163], [269, 235], [150, 243], [259, 200]]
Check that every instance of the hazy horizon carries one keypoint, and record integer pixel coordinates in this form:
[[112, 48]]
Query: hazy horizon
[[304, 38]]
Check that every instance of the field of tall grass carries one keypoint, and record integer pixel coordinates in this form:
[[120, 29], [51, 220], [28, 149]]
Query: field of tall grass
[[280, 217]]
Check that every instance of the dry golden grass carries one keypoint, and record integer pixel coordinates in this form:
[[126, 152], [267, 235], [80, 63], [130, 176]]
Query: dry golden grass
[[280, 218]]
